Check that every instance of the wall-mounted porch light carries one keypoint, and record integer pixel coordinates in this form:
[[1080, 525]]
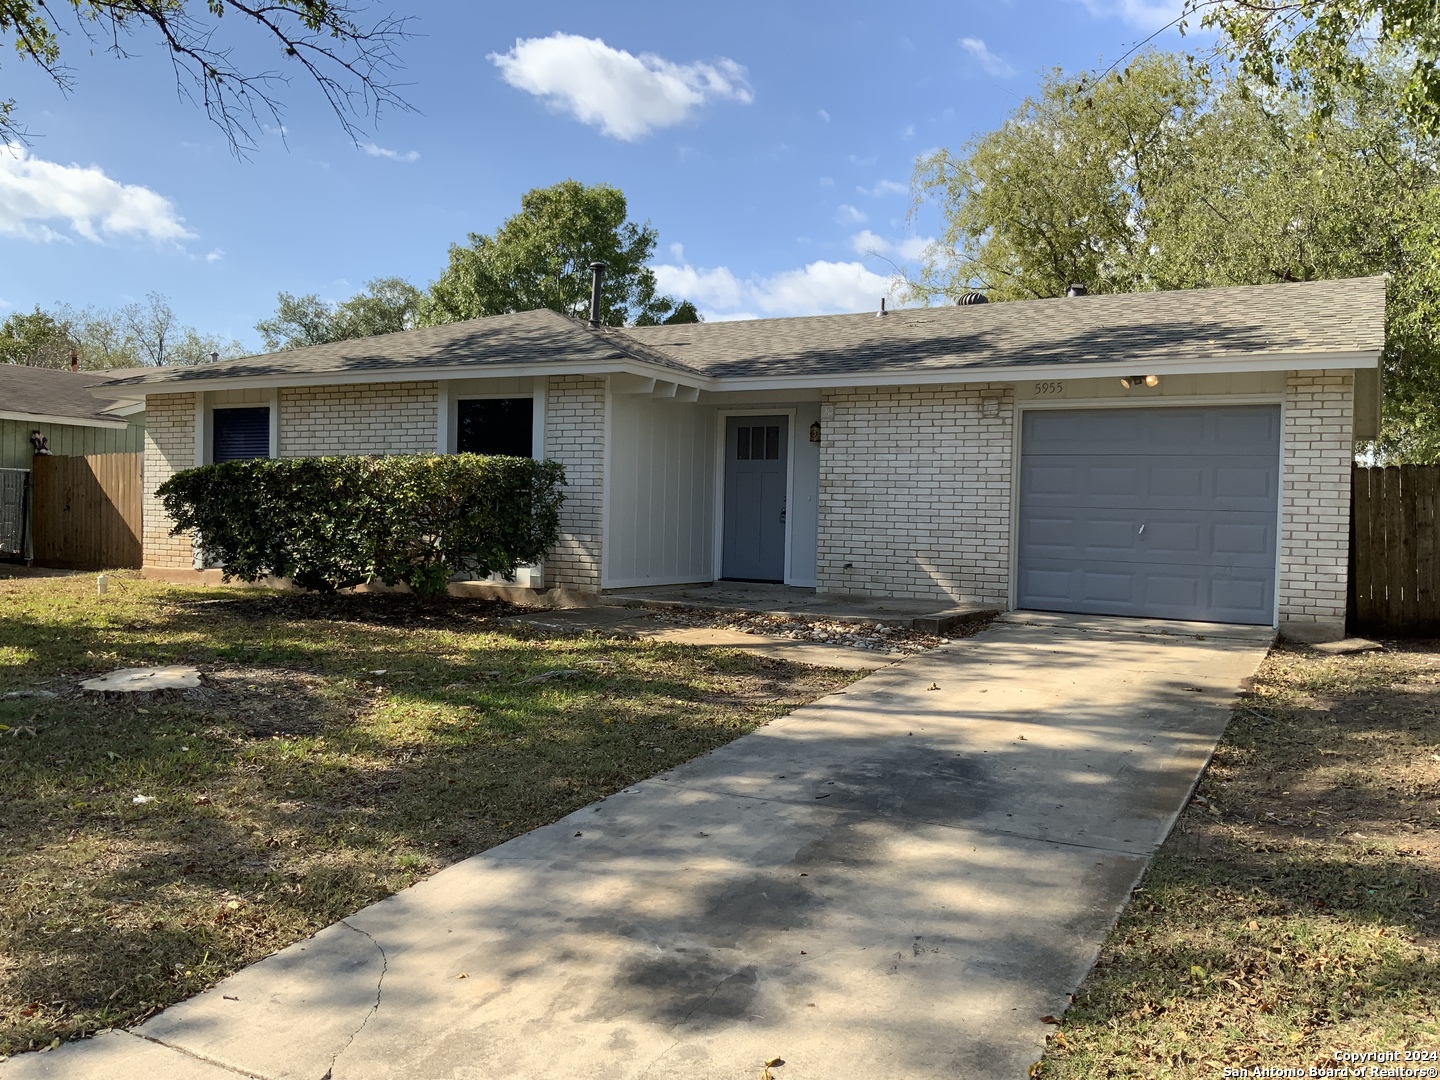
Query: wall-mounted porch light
[[815, 432], [1130, 382]]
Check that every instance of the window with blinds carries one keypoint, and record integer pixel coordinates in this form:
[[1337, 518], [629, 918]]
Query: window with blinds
[[240, 434]]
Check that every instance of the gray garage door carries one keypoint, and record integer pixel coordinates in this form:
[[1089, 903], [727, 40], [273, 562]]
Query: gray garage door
[[1168, 513]]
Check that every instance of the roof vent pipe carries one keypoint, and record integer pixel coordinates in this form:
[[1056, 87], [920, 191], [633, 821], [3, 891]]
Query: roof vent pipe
[[1076, 289], [882, 312], [597, 275]]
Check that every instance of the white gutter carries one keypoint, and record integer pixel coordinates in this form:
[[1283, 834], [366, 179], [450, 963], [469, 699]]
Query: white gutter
[[928, 376], [71, 421]]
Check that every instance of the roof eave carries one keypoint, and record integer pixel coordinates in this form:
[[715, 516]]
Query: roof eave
[[970, 373], [407, 373], [71, 421], [977, 373]]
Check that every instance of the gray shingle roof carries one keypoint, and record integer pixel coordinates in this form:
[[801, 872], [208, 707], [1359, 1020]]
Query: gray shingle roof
[[523, 337], [1308, 318], [36, 391], [1346, 316]]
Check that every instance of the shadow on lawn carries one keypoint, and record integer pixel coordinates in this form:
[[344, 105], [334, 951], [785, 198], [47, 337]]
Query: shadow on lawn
[[112, 909]]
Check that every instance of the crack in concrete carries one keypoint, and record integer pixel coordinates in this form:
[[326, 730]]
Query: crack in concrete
[[198, 1057], [379, 989], [658, 1057]]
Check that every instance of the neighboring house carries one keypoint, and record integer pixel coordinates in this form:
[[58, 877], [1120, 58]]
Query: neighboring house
[[1171, 454], [63, 408], [59, 408]]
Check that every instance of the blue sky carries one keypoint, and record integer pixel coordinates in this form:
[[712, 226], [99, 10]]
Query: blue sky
[[771, 146]]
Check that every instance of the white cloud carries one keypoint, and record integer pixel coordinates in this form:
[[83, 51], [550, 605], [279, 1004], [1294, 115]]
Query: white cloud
[[215, 256], [824, 116], [908, 132], [849, 215], [990, 63], [866, 242], [827, 181], [625, 96], [1146, 14], [392, 155], [885, 187], [819, 288], [678, 250], [34, 192]]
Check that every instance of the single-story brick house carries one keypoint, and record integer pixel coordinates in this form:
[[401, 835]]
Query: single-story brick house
[[1168, 454]]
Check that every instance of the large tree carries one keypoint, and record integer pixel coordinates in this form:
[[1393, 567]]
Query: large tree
[[136, 335], [540, 258], [347, 54], [385, 306], [1159, 177], [1329, 47]]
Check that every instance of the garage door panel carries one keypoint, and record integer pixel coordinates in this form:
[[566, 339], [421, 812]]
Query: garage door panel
[[1216, 482], [1052, 479], [1175, 538], [1168, 481], [1239, 482], [1107, 585], [1174, 590], [1250, 433], [1238, 539], [1165, 512]]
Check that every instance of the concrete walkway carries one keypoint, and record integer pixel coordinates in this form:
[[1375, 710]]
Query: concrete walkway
[[898, 880]]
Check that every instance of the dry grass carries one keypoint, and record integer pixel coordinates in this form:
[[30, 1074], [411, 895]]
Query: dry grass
[[1293, 913], [338, 750]]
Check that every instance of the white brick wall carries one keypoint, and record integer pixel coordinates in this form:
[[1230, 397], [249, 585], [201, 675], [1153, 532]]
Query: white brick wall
[[169, 448], [1315, 521], [368, 418], [915, 492], [575, 437]]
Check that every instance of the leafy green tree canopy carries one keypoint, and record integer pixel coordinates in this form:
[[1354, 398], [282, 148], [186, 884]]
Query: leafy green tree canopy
[[540, 258], [1162, 177], [348, 57], [385, 306], [1331, 47], [36, 339], [135, 335]]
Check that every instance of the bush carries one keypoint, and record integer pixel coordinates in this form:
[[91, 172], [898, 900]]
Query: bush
[[327, 523]]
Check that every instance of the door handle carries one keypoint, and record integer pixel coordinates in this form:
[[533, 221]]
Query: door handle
[[1142, 530]]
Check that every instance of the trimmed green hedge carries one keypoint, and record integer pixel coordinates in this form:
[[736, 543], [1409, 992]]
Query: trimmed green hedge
[[331, 522]]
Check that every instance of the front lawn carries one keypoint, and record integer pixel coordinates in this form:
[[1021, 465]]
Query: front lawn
[[1295, 910], [338, 750]]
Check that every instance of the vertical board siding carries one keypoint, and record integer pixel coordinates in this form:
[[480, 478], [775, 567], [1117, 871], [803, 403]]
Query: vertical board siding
[[1393, 565], [86, 511], [661, 495], [67, 439]]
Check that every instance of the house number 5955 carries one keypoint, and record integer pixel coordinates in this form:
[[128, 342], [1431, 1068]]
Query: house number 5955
[[1049, 389]]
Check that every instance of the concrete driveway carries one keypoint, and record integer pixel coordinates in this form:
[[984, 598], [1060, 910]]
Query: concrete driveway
[[898, 880]]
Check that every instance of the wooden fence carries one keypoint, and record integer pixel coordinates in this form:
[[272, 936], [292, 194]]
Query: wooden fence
[[85, 511], [1394, 569]]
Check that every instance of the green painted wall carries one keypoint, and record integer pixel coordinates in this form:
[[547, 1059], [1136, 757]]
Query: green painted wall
[[16, 452]]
